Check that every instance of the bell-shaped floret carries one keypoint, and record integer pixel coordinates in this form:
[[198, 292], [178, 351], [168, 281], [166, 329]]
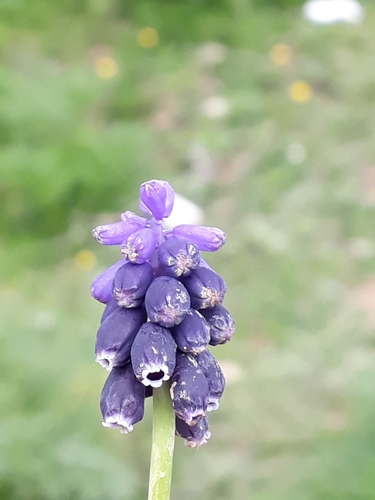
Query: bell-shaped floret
[[101, 288], [207, 239], [153, 354], [116, 335], [194, 435], [140, 245], [130, 284], [189, 389], [206, 288], [221, 323], [116, 233], [178, 257], [156, 198], [192, 335], [167, 301], [122, 399], [215, 377]]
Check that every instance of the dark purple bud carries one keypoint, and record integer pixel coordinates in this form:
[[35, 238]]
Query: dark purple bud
[[208, 239], [221, 324], [134, 219], [206, 288], [189, 389], [109, 308], [215, 378], [178, 257], [122, 399], [156, 198], [130, 284], [167, 301], [153, 355], [194, 435], [116, 233], [140, 245], [192, 335], [116, 335], [101, 288]]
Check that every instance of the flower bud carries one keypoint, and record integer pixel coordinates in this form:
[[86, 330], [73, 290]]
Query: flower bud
[[167, 301], [178, 257], [139, 246], [116, 335], [221, 323], [116, 233], [122, 399], [192, 335], [130, 284], [153, 355], [215, 377], [101, 288], [156, 198], [206, 288], [205, 238], [189, 389], [133, 218], [194, 435]]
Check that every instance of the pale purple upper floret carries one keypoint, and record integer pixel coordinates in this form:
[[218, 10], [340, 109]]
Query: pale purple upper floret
[[156, 198]]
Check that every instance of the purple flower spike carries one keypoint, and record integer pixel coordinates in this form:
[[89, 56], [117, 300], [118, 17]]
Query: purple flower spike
[[194, 435], [193, 334], [116, 335], [101, 288], [207, 239], [122, 400], [178, 257], [116, 233], [206, 288], [156, 198], [130, 284], [139, 247], [221, 323], [167, 301], [189, 389], [153, 355], [215, 378]]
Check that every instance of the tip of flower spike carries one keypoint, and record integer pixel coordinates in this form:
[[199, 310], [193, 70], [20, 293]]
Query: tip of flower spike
[[156, 198]]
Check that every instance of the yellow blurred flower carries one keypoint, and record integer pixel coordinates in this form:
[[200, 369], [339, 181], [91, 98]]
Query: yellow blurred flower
[[281, 54], [147, 38], [300, 91], [106, 67], [85, 260]]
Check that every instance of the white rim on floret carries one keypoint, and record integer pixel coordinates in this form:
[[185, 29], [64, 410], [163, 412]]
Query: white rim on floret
[[117, 423], [105, 359], [155, 369]]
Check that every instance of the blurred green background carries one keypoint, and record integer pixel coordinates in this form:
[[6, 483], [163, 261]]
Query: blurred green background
[[267, 122]]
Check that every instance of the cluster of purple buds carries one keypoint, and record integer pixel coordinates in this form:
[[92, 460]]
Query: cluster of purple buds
[[163, 310]]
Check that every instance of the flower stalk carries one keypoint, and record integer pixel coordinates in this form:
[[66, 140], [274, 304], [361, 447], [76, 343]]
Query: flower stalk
[[163, 436]]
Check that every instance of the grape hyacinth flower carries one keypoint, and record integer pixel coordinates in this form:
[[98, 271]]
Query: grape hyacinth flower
[[163, 309]]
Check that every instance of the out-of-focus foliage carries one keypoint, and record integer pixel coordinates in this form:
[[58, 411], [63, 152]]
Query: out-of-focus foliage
[[267, 122]]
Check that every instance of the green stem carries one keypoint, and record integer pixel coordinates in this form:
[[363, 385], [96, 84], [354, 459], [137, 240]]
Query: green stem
[[162, 445]]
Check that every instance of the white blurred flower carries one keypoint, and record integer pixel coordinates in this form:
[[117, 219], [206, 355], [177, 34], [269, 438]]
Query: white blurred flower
[[211, 53], [333, 11], [295, 153], [184, 212], [215, 106]]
